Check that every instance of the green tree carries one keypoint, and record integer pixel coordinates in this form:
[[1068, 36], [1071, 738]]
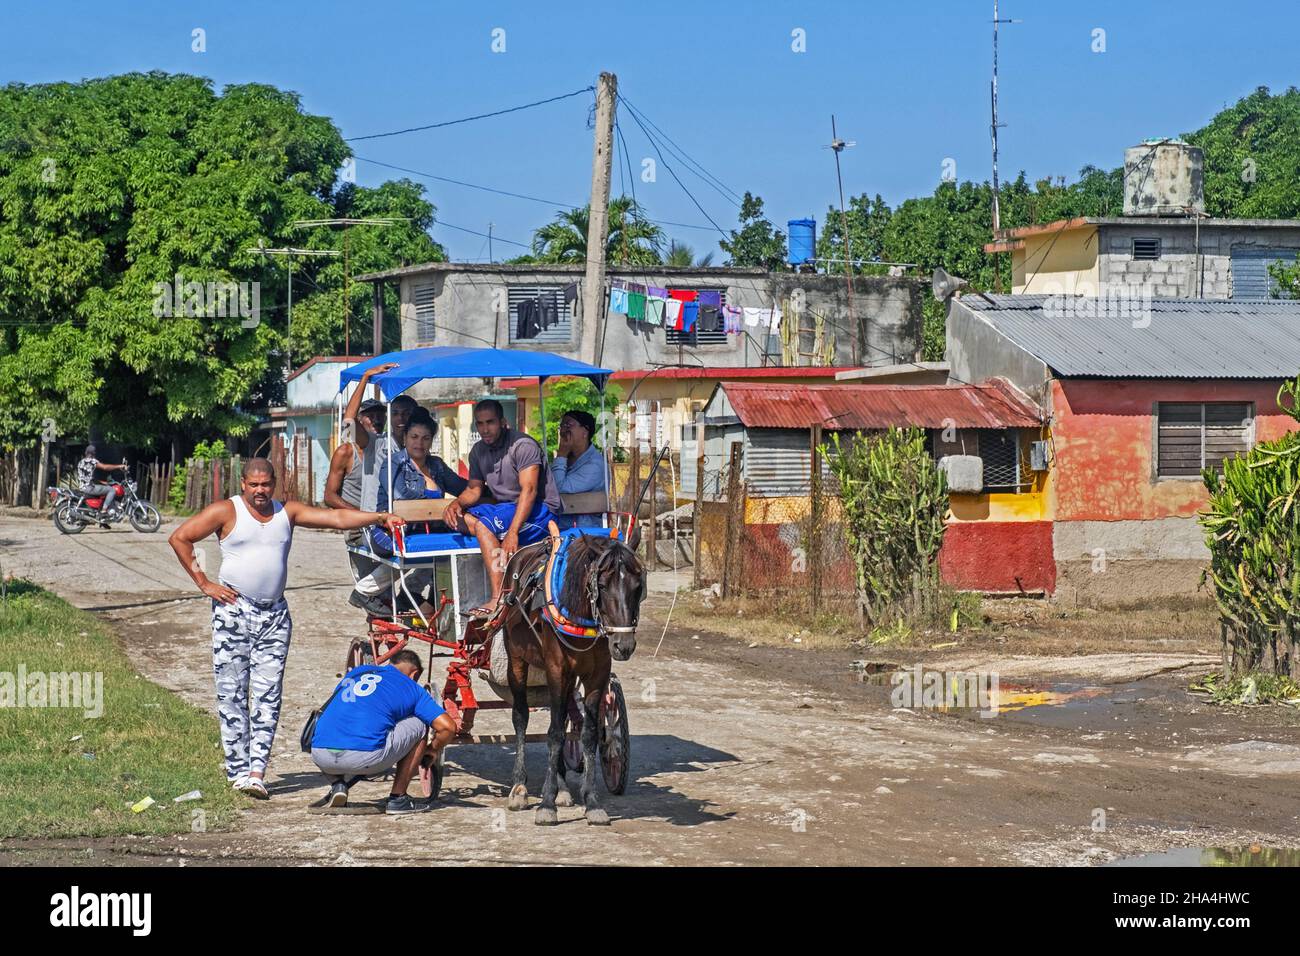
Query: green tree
[[318, 315], [867, 219], [682, 256], [633, 240], [111, 188], [757, 242], [1252, 157], [573, 394]]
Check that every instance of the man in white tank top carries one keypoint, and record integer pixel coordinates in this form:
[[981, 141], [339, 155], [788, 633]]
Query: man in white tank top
[[250, 617]]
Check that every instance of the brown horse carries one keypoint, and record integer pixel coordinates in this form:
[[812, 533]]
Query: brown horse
[[604, 582]]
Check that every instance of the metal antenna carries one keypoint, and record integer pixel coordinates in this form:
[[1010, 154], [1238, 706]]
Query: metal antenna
[[838, 146], [290, 252], [993, 127], [347, 224]]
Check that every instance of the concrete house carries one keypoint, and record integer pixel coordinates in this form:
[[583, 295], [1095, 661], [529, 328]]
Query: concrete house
[[1163, 246], [1134, 407], [773, 422], [477, 305]]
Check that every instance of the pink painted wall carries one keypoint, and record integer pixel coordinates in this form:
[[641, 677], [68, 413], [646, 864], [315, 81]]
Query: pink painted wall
[[1103, 444]]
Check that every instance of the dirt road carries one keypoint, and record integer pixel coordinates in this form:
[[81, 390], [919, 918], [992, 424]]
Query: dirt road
[[740, 755]]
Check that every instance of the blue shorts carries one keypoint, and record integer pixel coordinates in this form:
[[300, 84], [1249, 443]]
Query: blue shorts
[[498, 517]]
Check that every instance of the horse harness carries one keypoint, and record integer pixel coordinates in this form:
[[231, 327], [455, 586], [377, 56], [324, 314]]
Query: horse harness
[[529, 589]]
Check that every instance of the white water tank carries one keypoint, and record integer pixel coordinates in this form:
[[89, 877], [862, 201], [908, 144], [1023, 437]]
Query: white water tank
[[1164, 177]]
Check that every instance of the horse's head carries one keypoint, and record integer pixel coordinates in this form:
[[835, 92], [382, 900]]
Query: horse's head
[[619, 581], [610, 585]]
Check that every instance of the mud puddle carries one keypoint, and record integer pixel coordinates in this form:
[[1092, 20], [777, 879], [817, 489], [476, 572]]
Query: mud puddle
[[1254, 855]]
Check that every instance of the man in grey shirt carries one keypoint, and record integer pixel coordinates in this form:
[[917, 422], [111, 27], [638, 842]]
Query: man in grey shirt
[[511, 466]]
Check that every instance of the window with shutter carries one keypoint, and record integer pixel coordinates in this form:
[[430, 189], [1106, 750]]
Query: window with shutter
[[695, 336], [561, 333], [424, 323], [1195, 435]]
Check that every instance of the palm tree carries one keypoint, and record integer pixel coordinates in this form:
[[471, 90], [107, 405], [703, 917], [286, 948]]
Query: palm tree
[[632, 239], [682, 256]]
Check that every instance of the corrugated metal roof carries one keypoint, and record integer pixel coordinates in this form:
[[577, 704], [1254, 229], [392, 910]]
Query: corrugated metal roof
[[1176, 338], [993, 404]]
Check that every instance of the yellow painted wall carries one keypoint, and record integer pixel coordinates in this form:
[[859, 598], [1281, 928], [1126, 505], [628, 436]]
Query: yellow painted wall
[[1057, 262]]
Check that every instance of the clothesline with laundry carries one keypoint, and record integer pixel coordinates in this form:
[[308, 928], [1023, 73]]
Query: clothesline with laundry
[[687, 310]]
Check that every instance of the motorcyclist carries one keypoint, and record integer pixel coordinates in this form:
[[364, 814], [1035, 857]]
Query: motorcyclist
[[91, 487]]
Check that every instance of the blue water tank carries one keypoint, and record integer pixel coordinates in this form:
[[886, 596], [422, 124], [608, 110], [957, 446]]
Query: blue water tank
[[803, 240]]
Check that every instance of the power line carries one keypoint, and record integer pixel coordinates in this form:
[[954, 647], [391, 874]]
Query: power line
[[474, 232], [676, 178], [729, 194], [468, 119], [503, 192]]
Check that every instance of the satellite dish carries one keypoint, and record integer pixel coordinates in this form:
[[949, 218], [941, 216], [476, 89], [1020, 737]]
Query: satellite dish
[[945, 285]]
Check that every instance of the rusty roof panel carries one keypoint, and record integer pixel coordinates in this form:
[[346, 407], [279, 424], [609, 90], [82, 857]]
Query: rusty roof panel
[[993, 404]]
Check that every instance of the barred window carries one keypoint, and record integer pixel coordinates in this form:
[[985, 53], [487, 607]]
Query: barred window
[[1005, 468]]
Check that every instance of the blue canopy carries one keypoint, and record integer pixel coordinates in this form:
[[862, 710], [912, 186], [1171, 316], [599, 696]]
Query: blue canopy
[[454, 362]]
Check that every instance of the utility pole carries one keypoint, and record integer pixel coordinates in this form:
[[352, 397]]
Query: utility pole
[[593, 286], [490, 257], [289, 252], [837, 146]]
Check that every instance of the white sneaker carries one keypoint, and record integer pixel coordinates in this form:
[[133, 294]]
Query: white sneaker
[[254, 788]]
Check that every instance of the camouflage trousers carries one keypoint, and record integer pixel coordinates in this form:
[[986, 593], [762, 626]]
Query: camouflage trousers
[[249, 645]]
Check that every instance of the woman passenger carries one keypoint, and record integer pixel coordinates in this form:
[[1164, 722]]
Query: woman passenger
[[579, 466]]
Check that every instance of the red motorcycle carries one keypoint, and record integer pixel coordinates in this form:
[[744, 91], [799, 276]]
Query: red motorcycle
[[74, 510]]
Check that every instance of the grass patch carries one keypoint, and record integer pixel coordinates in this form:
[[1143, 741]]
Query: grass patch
[[146, 743]]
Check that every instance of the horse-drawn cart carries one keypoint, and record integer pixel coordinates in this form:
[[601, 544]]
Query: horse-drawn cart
[[475, 651]]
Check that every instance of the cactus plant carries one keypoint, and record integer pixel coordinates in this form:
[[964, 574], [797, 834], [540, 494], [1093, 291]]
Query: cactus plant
[[895, 502], [1252, 528]]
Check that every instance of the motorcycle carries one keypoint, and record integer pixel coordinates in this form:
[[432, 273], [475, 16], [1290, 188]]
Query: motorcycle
[[74, 510]]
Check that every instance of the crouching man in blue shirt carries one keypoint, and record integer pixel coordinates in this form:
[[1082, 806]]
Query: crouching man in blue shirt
[[378, 718]]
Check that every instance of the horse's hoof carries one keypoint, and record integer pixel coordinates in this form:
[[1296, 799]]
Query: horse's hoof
[[564, 798], [597, 817], [518, 797], [547, 817]]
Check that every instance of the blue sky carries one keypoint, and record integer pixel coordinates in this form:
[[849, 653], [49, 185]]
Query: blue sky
[[907, 81]]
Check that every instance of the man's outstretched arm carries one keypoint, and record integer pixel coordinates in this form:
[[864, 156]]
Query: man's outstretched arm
[[305, 516]]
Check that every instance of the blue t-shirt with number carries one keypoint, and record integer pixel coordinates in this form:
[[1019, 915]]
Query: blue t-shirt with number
[[370, 702]]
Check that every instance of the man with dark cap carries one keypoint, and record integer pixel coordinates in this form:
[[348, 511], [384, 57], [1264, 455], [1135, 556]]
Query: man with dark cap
[[251, 626]]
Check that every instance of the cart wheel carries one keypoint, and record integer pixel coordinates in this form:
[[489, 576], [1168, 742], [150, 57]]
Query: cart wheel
[[359, 653], [573, 761], [615, 739], [431, 774]]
